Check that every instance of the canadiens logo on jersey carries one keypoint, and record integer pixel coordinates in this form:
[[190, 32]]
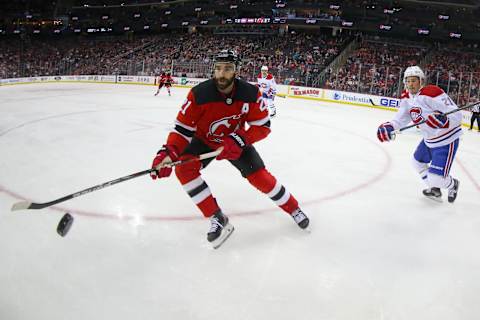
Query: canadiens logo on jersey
[[223, 127], [416, 114]]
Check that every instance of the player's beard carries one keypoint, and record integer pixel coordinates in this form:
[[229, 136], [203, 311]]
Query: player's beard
[[223, 83]]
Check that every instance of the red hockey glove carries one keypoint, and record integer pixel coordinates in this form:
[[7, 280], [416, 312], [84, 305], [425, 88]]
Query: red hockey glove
[[232, 147], [385, 132], [437, 120], [168, 153]]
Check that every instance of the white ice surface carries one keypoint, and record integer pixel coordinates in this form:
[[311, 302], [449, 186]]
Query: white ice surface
[[138, 250]]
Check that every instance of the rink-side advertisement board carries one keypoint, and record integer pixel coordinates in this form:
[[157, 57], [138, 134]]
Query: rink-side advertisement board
[[184, 82], [136, 79], [83, 78], [305, 92], [299, 92], [343, 97], [79, 78]]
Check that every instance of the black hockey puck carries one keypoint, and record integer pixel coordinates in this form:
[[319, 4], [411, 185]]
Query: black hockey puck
[[65, 224]]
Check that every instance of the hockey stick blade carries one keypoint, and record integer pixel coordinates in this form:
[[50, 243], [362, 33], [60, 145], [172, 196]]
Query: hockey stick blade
[[21, 205]]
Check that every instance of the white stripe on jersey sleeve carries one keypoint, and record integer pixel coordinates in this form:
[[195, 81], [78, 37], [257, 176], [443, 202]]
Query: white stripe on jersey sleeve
[[183, 125]]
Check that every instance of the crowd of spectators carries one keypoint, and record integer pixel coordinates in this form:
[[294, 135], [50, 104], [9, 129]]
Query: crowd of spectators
[[375, 68], [294, 58], [457, 72], [291, 57], [35, 57]]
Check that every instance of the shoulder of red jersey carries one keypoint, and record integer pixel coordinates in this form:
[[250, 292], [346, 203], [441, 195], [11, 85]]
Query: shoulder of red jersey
[[405, 94], [431, 91], [206, 92], [245, 91]]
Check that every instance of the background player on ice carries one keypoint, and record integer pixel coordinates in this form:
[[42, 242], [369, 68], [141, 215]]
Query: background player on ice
[[161, 82], [168, 82], [268, 88]]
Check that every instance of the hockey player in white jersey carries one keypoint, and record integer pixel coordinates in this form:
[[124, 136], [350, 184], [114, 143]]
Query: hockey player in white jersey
[[268, 87], [434, 155]]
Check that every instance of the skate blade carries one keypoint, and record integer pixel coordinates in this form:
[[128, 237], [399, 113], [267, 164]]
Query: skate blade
[[307, 230], [226, 233], [455, 198], [436, 199]]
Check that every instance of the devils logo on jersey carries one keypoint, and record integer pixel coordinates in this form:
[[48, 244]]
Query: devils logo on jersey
[[416, 114], [223, 127]]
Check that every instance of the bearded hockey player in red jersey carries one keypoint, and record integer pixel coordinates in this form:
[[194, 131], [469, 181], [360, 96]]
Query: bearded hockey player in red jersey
[[213, 116]]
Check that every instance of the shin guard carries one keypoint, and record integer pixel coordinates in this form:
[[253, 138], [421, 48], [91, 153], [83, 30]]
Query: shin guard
[[198, 190], [266, 183]]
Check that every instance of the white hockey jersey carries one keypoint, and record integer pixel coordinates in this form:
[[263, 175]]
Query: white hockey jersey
[[415, 108], [267, 85]]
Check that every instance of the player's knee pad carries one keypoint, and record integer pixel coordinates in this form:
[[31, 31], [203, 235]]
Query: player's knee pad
[[188, 171], [420, 167], [438, 181], [262, 180]]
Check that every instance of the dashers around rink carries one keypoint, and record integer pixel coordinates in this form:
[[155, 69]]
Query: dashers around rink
[[378, 249]]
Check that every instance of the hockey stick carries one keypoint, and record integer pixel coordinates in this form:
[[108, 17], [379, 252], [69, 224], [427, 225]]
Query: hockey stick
[[374, 104], [425, 120], [32, 205]]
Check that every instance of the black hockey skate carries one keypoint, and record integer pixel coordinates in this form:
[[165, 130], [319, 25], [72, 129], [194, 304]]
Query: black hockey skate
[[433, 193], [452, 192], [220, 229], [301, 218], [273, 113]]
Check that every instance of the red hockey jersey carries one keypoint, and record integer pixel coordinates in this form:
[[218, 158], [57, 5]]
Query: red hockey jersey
[[211, 116], [162, 78]]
